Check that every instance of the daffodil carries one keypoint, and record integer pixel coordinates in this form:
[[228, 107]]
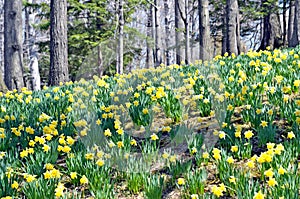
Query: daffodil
[[234, 148], [194, 196], [73, 175], [194, 150], [232, 179], [180, 181], [100, 162], [59, 190], [84, 180], [217, 190], [107, 133], [120, 144], [222, 135], [154, 137], [230, 160], [46, 148], [291, 135], [281, 170], [264, 124], [272, 182], [248, 134], [259, 195], [250, 164], [269, 173], [15, 185]]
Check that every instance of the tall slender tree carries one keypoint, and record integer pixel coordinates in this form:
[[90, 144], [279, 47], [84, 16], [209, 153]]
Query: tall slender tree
[[158, 36], [150, 37], [204, 30], [167, 31], [291, 22], [178, 31], [186, 20], [120, 46], [58, 43], [31, 61], [13, 48], [284, 22]]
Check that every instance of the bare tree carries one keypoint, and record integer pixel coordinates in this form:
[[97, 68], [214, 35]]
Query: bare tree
[[26, 46], [291, 22], [120, 46], [272, 35], [233, 27], [34, 70], [297, 20], [58, 42], [178, 30], [184, 8], [186, 20], [13, 53], [2, 84], [150, 37], [204, 30], [167, 31], [2, 37], [295, 40], [224, 32], [158, 35], [31, 48], [284, 24]]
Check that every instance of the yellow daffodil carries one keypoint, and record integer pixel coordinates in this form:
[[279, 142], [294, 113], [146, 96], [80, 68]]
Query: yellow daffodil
[[291, 135], [84, 180], [73, 175], [248, 134], [180, 181], [259, 195]]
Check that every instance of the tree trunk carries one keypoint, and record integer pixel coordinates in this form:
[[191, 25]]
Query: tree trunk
[[232, 19], [150, 38], [35, 74], [204, 29], [167, 31], [193, 30], [297, 20], [120, 58], [187, 31], [178, 31], [58, 43], [284, 37], [224, 33], [13, 53], [26, 48], [296, 29], [3, 87], [100, 62], [158, 40], [291, 22], [99, 69], [272, 35], [33, 65], [2, 37]]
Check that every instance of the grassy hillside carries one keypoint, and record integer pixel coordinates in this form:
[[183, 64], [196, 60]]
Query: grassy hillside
[[226, 128]]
